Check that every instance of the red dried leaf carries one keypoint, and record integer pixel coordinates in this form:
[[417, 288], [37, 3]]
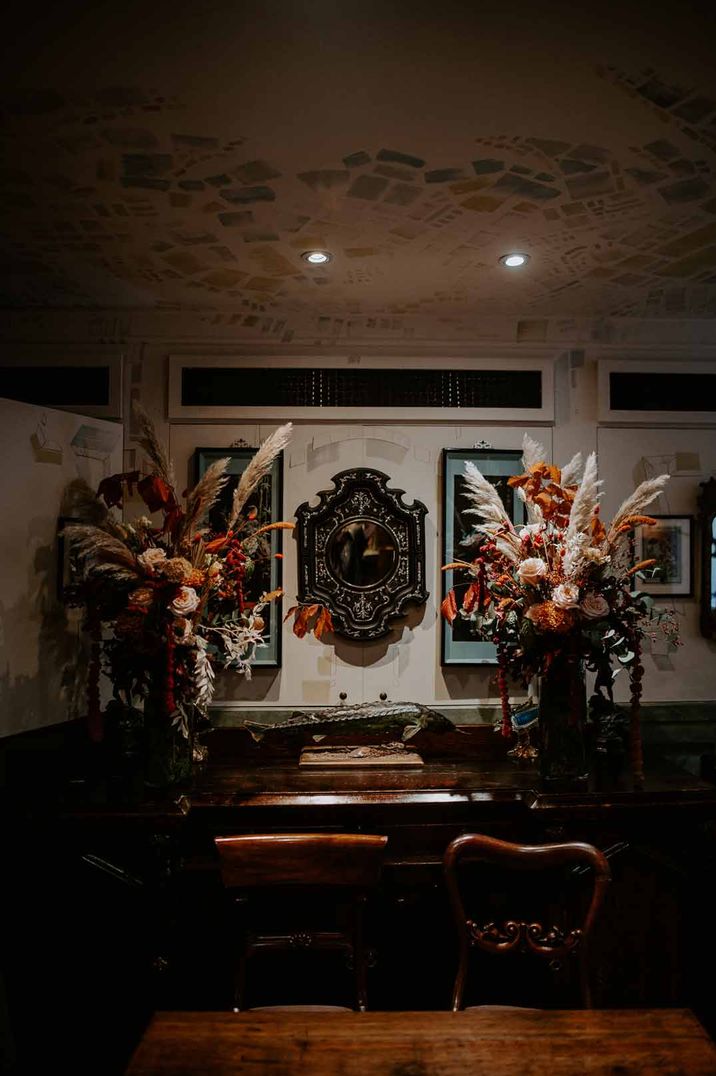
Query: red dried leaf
[[300, 624], [448, 607], [324, 623], [471, 598], [111, 489], [157, 494]]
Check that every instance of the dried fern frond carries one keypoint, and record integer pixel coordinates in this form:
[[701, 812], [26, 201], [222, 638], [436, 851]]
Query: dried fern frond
[[634, 505], [510, 547], [578, 534], [484, 496], [118, 572], [95, 547], [532, 452], [205, 493], [81, 502], [203, 678], [570, 471], [585, 500], [152, 446], [257, 468]]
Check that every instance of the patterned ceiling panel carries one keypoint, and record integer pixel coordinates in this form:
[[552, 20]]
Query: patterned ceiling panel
[[115, 199]]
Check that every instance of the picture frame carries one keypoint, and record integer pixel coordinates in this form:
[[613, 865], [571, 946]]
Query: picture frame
[[458, 647], [67, 579], [671, 543], [267, 499]]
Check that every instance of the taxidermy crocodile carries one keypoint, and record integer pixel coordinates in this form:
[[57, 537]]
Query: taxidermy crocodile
[[409, 717]]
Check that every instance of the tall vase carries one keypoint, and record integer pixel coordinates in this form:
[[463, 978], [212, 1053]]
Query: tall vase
[[167, 752], [562, 715]]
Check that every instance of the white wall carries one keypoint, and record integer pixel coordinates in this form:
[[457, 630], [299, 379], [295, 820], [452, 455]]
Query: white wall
[[407, 663], [626, 457], [41, 656]]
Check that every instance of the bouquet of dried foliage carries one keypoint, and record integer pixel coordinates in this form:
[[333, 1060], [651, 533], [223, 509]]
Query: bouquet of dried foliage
[[166, 601], [564, 582]]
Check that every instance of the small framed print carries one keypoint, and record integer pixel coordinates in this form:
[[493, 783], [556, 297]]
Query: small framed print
[[459, 646], [670, 543], [67, 569], [267, 500]]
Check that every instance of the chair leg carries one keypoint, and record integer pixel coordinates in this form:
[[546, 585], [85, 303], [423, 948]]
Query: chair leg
[[585, 981], [240, 982], [359, 960], [461, 976]]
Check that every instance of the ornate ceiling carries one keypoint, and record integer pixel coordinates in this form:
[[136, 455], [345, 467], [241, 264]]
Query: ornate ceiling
[[168, 159]]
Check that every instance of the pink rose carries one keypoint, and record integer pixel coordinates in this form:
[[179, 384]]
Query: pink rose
[[152, 559], [185, 602], [532, 570], [594, 606], [566, 596]]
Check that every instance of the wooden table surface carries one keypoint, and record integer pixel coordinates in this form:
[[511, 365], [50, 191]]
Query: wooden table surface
[[425, 1043]]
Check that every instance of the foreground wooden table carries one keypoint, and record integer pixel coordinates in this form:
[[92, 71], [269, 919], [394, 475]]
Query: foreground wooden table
[[425, 1043]]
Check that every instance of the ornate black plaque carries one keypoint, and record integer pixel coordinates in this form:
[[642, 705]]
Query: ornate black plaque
[[361, 553]]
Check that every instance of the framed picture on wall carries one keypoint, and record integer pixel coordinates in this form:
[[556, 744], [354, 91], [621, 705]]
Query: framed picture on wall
[[459, 647], [267, 501], [671, 544], [68, 577]]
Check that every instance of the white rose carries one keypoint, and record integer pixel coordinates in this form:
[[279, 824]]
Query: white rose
[[152, 558], [532, 570], [566, 596], [185, 602], [594, 606]]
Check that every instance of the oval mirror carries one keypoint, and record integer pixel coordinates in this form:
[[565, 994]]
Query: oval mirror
[[362, 553]]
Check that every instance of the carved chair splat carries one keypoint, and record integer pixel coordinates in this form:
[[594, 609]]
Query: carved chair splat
[[547, 943]]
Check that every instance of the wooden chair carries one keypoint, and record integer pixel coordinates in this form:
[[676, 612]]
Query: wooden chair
[[342, 866], [553, 945]]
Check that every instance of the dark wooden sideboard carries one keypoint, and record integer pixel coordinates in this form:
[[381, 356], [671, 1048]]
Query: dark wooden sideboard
[[128, 888]]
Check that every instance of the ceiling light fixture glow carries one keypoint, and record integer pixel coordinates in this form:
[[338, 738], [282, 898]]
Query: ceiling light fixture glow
[[515, 260], [316, 257]]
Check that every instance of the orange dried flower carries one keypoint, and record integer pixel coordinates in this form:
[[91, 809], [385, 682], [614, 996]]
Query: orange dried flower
[[177, 570], [548, 617]]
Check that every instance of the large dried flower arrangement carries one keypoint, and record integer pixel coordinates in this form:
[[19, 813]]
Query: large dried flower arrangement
[[165, 603], [563, 582]]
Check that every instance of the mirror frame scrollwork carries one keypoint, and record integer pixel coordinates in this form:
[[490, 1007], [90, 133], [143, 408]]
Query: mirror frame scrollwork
[[361, 494]]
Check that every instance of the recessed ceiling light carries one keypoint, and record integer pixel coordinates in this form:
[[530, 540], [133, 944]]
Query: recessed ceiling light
[[514, 260], [316, 257]]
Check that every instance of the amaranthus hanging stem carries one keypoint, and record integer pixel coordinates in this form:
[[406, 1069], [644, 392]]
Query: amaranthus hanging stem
[[637, 758], [95, 724], [504, 696]]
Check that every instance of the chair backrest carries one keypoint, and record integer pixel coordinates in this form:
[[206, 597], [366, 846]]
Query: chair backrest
[[311, 859], [547, 941], [339, 868]]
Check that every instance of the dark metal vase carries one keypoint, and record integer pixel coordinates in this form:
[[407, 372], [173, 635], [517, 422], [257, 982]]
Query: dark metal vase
[[562, 716]]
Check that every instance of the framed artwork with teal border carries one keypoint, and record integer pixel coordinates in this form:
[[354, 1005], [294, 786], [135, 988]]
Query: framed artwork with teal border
[[459, 647], [670, 542], [267, 499]]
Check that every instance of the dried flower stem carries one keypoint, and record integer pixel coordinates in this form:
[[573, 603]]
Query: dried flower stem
[[637, 756]]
